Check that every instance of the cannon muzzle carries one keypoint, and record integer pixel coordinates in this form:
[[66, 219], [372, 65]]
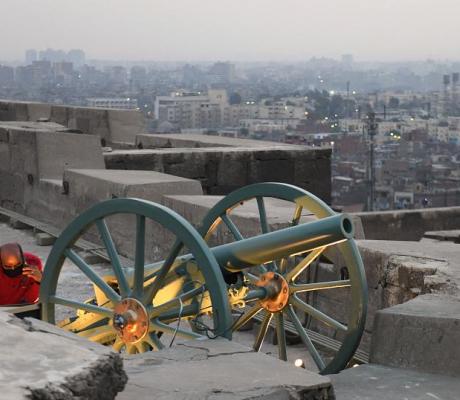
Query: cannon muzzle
[[289, 241]]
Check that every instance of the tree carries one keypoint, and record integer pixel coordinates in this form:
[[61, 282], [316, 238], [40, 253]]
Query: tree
[[235, 98]]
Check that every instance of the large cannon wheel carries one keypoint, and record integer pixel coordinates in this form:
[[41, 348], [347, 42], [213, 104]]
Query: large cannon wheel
[[341, 334], [134, 307]]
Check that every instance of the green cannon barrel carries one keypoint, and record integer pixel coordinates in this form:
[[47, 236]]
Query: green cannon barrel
[[285, 242]]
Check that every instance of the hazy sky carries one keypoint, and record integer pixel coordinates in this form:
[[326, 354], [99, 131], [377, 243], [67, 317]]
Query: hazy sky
[[233, 29]]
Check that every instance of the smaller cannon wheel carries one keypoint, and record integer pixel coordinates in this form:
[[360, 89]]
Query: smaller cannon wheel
[[304, 285], [135, 308]]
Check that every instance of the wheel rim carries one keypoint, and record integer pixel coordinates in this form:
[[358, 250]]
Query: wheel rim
[[303, 200], [139, 290]]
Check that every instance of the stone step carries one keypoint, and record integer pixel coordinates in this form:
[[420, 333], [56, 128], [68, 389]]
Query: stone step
[[218, 369], [40, 361], [376, 382], [422, 334]]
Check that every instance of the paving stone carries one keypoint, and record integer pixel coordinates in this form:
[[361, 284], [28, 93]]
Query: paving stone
[[44, 239], [218, 370], [375, 382], [40, 361]]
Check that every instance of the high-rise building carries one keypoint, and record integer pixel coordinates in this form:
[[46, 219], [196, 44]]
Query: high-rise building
[[347, 60], [6, 74], [31, 56], [76, 57], [222, 72]]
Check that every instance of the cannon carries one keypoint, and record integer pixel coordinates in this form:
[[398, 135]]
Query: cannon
[[301, 278]]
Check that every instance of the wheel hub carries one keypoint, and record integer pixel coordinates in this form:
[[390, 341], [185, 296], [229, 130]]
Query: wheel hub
[[130, 320], [277, 291]]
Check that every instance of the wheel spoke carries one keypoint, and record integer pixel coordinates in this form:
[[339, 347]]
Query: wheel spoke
[[262, 331], [118, 345], [246, 317], [281, 336], [160, 326], [95, 278], [308, 309], [262, 215], [305, 339], [155, 286], [308, 287], [283, 265], [142, 347], [100, 334], [81, 306], [233, 229], [300, 267], [113, 256], [153, 340], [139, 258], [297, 215]]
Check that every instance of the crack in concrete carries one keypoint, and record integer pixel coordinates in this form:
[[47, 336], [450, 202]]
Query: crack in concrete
[[207, 351]]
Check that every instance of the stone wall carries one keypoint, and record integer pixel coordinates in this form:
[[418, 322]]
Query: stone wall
[[31, 155], [408, 224], [222, 170], [113, 126]]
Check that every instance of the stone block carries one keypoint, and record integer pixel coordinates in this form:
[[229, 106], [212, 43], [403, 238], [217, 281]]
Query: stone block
[[40, 361], [4, 157], [422, 334], [44, 239], [408, 224], [59, 151], [38, 111], [4, 136], [124, 125]]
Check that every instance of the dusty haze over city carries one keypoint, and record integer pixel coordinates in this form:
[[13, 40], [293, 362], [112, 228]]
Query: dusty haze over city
[[238, 30]]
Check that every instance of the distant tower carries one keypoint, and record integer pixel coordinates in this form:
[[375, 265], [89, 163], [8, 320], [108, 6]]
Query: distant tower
[[347, 61], [371, 132], [31, 56], [348, 100], [455, 94], [446, 97]]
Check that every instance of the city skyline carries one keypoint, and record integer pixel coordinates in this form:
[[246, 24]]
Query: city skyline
[[235, 30]]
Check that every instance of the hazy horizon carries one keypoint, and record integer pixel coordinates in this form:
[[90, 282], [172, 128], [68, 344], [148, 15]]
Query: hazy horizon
[[238, 30]]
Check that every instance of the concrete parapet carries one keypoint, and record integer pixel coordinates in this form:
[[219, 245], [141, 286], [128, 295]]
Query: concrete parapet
[[408, 224], [40, 361], [184, 140], [422, 334], [376, 382], [114, 126], [222, 170]]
